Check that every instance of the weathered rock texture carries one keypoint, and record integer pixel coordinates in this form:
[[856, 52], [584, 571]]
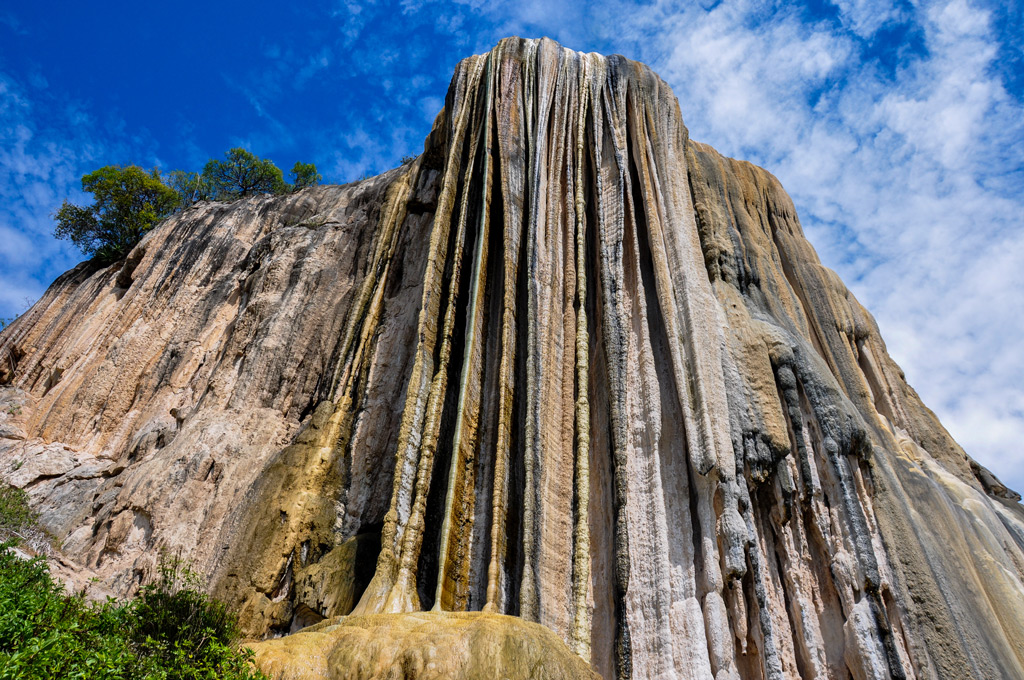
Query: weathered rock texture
[[568, 365], [434, 645]]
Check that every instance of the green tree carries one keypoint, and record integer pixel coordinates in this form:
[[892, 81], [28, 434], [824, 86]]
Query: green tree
[[304, 175], [242, 174], [190, 187], [128, 202]]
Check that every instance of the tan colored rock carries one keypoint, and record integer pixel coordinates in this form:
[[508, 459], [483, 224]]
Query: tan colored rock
[[428, 645], [568, 365]]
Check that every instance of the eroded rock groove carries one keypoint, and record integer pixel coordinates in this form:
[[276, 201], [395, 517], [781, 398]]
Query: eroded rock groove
[[568, 365]]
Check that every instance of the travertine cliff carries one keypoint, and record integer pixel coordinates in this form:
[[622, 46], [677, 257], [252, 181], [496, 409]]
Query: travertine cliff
[[567, 366]]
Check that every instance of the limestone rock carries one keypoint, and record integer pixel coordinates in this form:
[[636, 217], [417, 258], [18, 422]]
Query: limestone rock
[[428, 645], [568, 365]]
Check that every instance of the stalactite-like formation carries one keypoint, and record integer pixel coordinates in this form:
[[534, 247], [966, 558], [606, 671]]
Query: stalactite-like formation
[[569, 366], [584, 440], [566, 259]]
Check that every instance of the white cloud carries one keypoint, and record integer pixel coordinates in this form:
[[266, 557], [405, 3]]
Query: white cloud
[[865, 17], [46, 145], [903, 159], [904, 172], [32, 169], [430, 107]]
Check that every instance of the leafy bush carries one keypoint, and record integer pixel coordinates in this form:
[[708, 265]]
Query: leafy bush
[[170, 632], [15, 515], [190, 187], [18, 521], [130, 201], [186, 630], [45, 633]]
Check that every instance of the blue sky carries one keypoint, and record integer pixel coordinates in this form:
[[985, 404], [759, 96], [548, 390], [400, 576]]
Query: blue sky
[[898, 128]]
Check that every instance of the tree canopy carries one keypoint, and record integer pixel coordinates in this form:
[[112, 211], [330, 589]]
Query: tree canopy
[[128, 202], [242, 174], [190, 187], [304, 175]]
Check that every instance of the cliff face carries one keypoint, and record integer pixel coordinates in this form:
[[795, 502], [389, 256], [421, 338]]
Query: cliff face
[[568, 366]]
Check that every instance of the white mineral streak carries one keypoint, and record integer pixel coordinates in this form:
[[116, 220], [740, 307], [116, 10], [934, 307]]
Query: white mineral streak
[[637, 410], [463, 442], [620, 516], [581, 531]]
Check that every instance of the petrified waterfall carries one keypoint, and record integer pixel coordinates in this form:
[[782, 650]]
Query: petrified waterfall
[[567, 365], [565, 429]]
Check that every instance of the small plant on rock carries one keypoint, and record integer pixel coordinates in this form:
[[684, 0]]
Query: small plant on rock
[[18, 522]]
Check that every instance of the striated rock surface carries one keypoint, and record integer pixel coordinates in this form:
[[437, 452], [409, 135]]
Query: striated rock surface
[[434, 645], [568, 366]]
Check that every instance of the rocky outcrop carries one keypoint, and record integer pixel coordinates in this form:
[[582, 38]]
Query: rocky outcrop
[[568, 366], [429, 645]]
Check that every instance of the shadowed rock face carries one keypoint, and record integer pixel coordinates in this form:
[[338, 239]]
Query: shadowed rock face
[[568, 365]]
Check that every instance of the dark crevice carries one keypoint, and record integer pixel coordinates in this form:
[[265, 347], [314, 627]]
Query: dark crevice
[[607, 607], [798, 290], [492, 308], [427, 573], [884, 630], [367, 552], [516, 469], [803, 664], [770, 664]]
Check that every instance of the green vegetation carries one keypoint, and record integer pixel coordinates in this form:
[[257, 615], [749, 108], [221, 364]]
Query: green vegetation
[[128, 202], [190, 187], [242, 174], [171, 631], [15, 515], [18, 522], [304, 175]]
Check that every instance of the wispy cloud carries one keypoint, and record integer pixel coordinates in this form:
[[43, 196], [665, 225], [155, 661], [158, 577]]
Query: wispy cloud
[[46, 145], [896, 127], [898, 134], [34, 171]]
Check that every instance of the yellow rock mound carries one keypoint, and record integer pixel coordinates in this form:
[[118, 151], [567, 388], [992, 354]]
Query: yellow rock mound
[[420, 646]]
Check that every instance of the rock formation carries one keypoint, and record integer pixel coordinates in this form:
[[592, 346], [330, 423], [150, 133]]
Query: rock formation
[[567, 366]]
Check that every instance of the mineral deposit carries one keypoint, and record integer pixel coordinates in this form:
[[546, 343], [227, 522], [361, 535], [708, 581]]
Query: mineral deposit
[[567, 367]]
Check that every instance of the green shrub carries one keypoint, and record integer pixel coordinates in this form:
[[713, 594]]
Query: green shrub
[[304, 175], [185, 629], [15, 515], [242, 174], [45, 633], [18, 521], [170, 631]]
